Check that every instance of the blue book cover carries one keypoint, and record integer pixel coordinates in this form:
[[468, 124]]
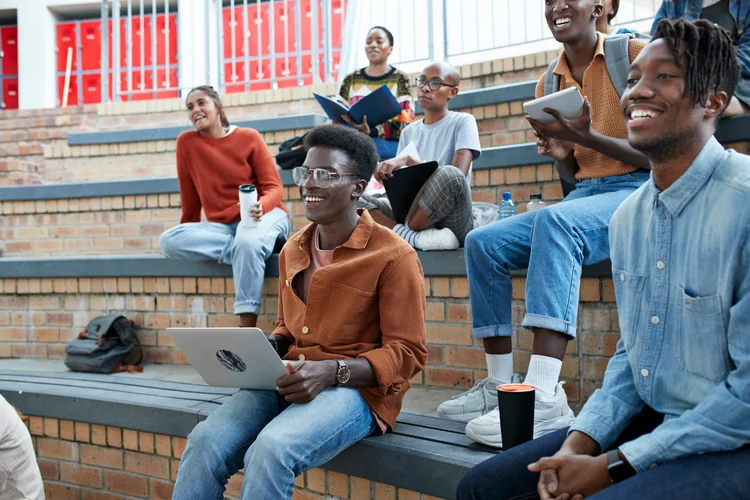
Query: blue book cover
[[379, 106]]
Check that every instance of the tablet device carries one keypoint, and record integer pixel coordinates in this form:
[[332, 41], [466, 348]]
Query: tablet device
[[568, 102], [404, 187], [231, 357]]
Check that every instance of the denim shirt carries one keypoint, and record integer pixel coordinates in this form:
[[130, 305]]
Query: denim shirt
[[681, 268], [691, 10]]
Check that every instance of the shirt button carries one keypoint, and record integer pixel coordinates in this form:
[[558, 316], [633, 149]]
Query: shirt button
[[665, 216], [644, 373], [287, 283], [301, 357], [305, 329], [622, 277], [652, 466], [660, 265], [655, 320]]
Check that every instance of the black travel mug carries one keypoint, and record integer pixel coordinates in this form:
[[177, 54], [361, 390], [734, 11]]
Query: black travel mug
[[516, 405]]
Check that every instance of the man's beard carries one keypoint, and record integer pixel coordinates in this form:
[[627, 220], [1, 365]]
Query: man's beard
[[668, 144]]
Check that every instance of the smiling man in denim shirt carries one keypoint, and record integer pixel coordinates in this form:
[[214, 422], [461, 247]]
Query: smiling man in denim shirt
[[673, 414], [732, 15]]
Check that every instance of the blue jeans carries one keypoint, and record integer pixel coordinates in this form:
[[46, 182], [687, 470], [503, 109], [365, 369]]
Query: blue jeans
[[272, 440], [386, 149], [245, 249], [553, 243], [699, 477]]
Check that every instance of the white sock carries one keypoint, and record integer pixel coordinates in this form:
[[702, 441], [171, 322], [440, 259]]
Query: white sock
[[544, 372], [500, 367], [411, 236]]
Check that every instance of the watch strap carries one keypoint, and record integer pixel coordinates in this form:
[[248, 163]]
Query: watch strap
[[619, 469]]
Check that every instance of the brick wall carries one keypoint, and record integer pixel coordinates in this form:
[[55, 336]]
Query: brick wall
[[38, 316], [132, 224], [82, 461]]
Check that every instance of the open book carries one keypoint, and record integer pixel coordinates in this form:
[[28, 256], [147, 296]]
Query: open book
[[379, 106]]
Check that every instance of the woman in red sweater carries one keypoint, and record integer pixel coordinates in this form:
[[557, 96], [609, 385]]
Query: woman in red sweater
[[212, 162]]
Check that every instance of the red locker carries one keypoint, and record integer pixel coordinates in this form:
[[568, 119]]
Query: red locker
[[167, 79], [10, 93], [142, 89], [92, 89], [66, 37], [166, 30], [284, 17], [9, 36], [260, 74], [239, 50], [259, 27], [72, 91], [91, 45], [140, 33], [306, 19], [234, 82]]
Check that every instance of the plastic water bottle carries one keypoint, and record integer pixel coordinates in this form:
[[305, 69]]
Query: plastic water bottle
[[506, 208], [536, 203]]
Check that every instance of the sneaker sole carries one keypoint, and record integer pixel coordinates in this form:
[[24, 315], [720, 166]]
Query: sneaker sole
[[463, 417], [539, 431]]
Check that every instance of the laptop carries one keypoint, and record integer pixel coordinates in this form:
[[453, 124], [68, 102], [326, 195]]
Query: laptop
[[403, 188], [231, 357]]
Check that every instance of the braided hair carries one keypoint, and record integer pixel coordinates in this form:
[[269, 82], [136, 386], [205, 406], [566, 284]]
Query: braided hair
[[710, 53]]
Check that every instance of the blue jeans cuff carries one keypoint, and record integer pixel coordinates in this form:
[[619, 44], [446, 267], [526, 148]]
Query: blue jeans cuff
[[492, 331], [556, 325], [247, 306]]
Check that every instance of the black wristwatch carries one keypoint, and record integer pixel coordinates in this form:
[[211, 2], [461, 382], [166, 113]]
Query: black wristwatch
[[274, 344], [619, 469], [342, 373]]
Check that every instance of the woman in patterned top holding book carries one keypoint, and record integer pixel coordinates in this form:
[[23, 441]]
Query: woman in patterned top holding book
[[357, 85]]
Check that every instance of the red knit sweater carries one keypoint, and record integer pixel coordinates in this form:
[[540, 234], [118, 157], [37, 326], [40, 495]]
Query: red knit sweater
[[211, 170]]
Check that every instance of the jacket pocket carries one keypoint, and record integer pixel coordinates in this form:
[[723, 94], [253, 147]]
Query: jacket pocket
[[629, 295], [702, 348], [350, 315]]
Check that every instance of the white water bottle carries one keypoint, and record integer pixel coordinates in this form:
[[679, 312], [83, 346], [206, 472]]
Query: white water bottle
[[536, 203], [248, 198]]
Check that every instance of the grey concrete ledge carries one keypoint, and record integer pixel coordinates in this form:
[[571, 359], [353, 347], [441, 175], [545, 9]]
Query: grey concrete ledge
[[475, 98], [446, 263], [159, 185], [276, 124]]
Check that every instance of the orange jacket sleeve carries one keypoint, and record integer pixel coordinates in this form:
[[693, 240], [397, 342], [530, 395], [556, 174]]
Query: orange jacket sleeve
[[191, 202], [270, 189], [401, 298]]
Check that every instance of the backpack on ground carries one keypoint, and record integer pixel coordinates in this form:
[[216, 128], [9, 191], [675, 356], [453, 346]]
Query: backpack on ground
[[291, 153], [616, 58], [107, 345]]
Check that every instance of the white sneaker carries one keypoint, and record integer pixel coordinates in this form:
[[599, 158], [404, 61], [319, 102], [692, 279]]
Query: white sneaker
[[550, 414], [473, 403], [436, 239]]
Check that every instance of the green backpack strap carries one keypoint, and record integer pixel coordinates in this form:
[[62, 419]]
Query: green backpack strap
[[551, 80], [617, 59]]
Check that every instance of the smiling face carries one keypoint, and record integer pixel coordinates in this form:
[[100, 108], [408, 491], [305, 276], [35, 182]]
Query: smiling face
[[437, 100], [327, 205], [377, 46], [659, 117], [571, 20], [202, 111]]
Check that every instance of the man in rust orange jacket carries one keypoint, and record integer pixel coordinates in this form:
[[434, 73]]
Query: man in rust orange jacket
[[351, 323]]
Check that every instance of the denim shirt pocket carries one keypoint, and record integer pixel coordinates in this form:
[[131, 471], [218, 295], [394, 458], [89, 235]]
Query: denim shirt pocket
[[351, 312], [702, 348], [629, 295]]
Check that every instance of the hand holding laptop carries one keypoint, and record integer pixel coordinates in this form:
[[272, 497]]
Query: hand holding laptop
[[408, 157], [306, 379]]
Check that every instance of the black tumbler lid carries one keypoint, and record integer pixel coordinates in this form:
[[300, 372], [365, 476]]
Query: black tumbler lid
[[247, 188], [536, 196]]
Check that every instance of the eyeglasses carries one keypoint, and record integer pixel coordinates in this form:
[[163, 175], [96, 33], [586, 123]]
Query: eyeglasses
[[433, 84], [321, 177]]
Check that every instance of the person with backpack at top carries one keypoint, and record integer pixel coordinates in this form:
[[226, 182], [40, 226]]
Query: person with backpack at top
[[213, 161], [733, 16], [555, 242], [355, 86]]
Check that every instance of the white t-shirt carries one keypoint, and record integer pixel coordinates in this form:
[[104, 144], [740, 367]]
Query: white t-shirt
[[20, 478], [440, 140]]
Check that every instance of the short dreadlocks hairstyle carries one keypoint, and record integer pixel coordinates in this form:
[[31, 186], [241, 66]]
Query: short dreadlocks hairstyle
[[359, 148], [710, 53]]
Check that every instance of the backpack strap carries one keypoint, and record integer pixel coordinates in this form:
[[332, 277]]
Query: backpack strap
[[551, 80], [617, 60]]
